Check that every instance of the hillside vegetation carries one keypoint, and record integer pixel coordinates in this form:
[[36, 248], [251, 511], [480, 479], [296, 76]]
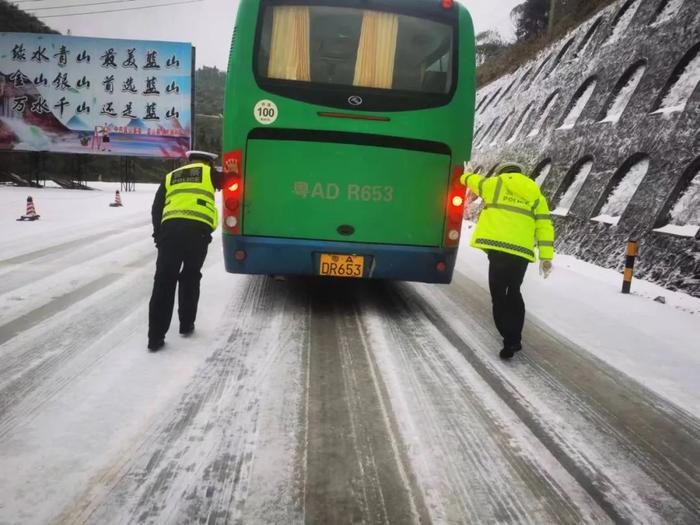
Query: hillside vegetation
[[533, 35], [13, 19]]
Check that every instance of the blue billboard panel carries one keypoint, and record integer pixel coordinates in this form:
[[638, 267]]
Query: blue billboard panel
[[96, 96]]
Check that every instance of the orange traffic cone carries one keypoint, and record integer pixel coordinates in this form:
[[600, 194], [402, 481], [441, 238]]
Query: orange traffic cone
[[117, 200], [31, 214]]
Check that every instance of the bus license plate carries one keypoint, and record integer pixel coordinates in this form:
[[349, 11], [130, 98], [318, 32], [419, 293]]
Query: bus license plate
[[342, 265]]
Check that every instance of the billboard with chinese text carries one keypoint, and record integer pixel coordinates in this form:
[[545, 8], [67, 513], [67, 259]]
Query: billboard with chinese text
[[94, 95]]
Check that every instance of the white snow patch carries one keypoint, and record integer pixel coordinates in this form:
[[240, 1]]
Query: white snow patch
[[568, 199], [624, 95], [669, 11], [677, 97], [688, 230], [623, 23], [623, 193], [608, 219], [578, 107], [686, 211]]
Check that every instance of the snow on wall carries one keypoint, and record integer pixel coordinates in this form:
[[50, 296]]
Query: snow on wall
[[523, 119], [624, 95], [679, 93], [570, 194], [549, 106], [496, 135], [622, 194], [578, 106], [624, 21], [669, 11], [542, 175], [587, 39], [687, 209], [669, 255]]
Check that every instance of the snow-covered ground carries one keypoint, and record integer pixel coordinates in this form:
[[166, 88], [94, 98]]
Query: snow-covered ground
[[652, 342], [343, 401], [655, 343]]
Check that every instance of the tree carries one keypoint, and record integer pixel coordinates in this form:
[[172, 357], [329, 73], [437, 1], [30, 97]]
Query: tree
[[488, 45], [530, 18], [210, 84], [13, 19]]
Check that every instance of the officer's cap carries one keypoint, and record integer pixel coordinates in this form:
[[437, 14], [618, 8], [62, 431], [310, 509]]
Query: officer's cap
[[509, 167], [201, 155]]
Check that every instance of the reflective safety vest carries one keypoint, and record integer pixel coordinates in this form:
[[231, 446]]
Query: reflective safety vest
[[515, 217], [189, 194]]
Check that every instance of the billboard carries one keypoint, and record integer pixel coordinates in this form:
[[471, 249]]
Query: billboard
[[95, 95]]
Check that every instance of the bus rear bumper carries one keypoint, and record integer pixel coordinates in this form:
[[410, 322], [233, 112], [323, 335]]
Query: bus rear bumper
[[278, 256]]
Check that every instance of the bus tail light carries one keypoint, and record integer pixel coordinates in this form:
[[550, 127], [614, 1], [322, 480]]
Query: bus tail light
[[447, 4], [455, 208], [233, 190]]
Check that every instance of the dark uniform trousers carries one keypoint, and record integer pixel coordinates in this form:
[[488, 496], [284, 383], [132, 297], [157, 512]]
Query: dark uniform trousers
[[506, 274], [182, 248]]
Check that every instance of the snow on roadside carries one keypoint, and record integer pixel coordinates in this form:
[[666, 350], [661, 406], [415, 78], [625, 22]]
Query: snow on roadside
[[67, 214], [654, 343]]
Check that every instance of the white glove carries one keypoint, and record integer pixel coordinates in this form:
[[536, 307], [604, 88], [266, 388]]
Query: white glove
[[469, 167], [545, 268]]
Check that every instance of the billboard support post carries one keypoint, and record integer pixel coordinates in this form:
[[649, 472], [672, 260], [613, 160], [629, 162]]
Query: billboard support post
[[127, 182]]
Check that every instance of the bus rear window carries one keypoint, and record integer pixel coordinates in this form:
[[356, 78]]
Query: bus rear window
[[352, 47]]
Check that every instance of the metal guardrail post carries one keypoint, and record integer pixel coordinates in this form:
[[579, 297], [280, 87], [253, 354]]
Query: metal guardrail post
[[629, 265]]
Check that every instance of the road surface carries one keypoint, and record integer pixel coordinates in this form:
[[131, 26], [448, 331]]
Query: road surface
[[311, 401]]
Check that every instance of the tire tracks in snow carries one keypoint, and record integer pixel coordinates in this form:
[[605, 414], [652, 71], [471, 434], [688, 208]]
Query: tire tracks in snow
[[61, 303], [23, 273], [486, 475], [357, 469], [40, 345], [654, 436], [204, 460], [69, 246]]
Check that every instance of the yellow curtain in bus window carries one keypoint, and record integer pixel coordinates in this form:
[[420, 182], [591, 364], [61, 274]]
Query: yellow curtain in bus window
[[377, 50], [290, 57]]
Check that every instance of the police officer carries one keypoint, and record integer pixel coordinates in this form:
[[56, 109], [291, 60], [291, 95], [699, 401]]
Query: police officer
[[514, 219], [184, 216]]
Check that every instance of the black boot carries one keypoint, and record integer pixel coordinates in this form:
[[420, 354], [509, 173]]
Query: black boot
[[186, 329], [509, 351], [155, 344]]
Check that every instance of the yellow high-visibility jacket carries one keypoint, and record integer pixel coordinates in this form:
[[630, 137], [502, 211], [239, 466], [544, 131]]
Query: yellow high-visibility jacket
[[515, 217], [189, 194]]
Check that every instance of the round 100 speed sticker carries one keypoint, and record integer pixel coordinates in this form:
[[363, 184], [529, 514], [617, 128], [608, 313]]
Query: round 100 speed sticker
[[265, 112]]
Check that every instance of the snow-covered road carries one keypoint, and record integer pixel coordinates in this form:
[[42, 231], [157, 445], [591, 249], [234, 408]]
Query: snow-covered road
[[314, 401]]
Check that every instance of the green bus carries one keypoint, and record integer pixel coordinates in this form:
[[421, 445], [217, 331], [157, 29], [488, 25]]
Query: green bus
[[346, 126]]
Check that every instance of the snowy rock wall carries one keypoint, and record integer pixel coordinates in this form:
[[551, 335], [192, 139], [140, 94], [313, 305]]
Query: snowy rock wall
[[606, 120]]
